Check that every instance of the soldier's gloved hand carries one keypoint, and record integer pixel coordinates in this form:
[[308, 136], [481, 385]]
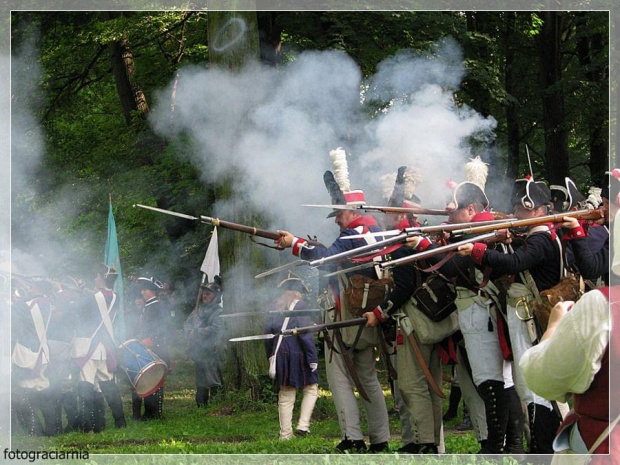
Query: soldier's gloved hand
[[313, 366], [148, 342], [272, 367]]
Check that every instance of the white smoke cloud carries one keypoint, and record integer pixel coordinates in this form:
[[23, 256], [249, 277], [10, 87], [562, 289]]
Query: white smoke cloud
[[277, 126]]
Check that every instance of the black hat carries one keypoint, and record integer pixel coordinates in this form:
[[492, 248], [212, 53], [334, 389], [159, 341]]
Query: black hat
[[215, 286], [467, 193], [566, 198], [292, 282], [151, 283], [529, 195], [404, 185], [559, 198], [338, 184]]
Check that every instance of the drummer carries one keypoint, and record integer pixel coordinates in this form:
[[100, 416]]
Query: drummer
[[153, 335]]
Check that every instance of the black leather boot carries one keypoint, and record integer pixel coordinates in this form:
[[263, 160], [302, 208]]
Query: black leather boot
[[25, 412], [86, 393], [48, 402], [202, 396], [69, 403], [453, 406], [544, 424], [113, 398], [516, 421], [98, 412], [136, 406], [492, 392]]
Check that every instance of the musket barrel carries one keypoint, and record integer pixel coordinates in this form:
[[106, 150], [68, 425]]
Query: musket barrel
[[241, 228], [439, 250], [321, 327], [515, 223]]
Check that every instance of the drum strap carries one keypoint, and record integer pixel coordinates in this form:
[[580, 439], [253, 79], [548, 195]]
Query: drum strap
[[105, 313]]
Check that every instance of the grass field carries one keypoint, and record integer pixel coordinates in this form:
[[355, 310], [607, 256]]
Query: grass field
[[231, 424]]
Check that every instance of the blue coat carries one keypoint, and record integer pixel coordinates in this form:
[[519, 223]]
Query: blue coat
[[295, 352]]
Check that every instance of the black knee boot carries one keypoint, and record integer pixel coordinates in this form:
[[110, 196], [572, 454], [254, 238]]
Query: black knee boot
[[25, 412], [453, 406], [544, 424], [86, 395], [516, 420], [69, 403], [98, 412], [136, 406], [202, 396], [492, 392], [113, 398]]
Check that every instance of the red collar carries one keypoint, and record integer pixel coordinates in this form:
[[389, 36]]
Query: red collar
[[367, 221]]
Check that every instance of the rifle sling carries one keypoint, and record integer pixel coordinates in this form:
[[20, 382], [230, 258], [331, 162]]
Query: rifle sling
[[346, 357], [429, 376]]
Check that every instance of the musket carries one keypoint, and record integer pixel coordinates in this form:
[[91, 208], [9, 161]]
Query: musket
[[303, 330], [373, 208], [251, 230], [417, 256], [420, 230], [284, 313], [377, 246], [585, 214]]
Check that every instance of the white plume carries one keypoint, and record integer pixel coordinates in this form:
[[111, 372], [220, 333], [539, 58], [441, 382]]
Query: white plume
[[412, 178], [387, 185], [476, 171], [341, 168]]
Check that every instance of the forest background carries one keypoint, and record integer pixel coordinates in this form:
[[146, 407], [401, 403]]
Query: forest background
[[85, 85]]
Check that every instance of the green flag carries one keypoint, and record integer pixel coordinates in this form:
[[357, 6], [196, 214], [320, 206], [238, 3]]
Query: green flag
[[112, 258]]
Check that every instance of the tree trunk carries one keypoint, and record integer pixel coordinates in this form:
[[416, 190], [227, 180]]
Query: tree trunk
[[512, 119], [233, 43], [131, 96], [550, 77]]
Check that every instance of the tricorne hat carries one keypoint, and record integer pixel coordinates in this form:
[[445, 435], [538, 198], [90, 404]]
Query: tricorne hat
[[529, 194], [472, 189], [292, 282], [566, 198], [150, 283]]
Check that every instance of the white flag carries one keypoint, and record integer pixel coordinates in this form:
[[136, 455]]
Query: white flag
[[211, 264]]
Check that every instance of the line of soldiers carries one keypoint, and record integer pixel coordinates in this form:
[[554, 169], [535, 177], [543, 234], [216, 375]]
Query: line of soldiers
[[496, 283], [64, 352]]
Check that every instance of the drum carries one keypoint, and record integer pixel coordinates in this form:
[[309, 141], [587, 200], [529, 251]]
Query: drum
[[145, 370]]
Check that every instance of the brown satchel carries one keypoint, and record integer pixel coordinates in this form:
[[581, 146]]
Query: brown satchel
[[567, 289], [363, 294]]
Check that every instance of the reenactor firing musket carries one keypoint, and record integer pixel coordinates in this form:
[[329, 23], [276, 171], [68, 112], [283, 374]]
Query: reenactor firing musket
[[418, 256], [419, 230], [368, 248], [372, 208], [304, 330], [585, 214], [251, 230]]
